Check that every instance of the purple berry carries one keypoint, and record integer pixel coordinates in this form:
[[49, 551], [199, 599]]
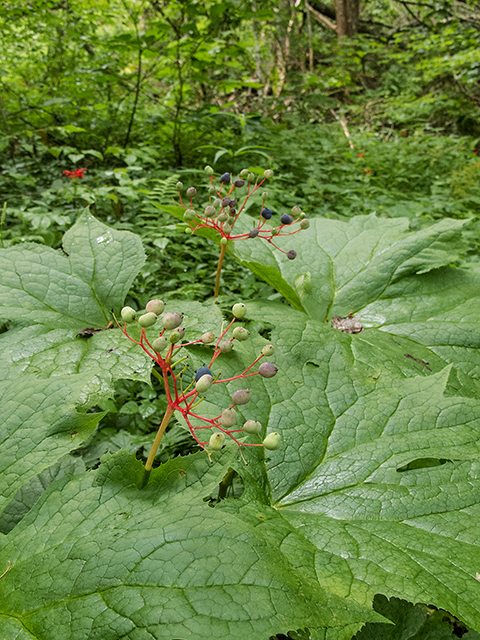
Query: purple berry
[[267, 213], [267, 370], [226, 201], [286, 219], [203, 371], [225, 178], [253, 233], [239, 183], [291, 255]]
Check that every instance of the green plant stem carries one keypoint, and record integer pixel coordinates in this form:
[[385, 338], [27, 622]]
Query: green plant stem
[[156, 443], [219, 270]]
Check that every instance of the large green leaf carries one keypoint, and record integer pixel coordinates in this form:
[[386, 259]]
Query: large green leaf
[[101, 558]]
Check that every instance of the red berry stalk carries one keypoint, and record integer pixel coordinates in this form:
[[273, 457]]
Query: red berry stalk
[[185, 399]]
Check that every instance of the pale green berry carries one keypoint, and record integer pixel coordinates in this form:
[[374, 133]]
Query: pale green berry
[[156, 306], [223, 217], [191, 192], [179, 186], [302, 215], [159, 344], [242, 396], [244, 173], [268, 350], [225, 347], [231, 220], [272, 441], [223, 241], [189, 231], [204, 383], [241, 334], [304, 224], [227, 227], [217, 440], [147, 320], [212, 191], [208, 337], [189, 214], [210, 211], [209, 171], [267, 370], [228, 417], [268, 173], [239, 310], [128, 314], [177, 335], [296, 210], [265, 195], [172, 320], [252, 426], [217, 203], [251, 177]]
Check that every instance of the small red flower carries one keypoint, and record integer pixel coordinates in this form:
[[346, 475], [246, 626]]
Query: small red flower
[[360, 155], [367, 171], [476, 152], [78, 173]]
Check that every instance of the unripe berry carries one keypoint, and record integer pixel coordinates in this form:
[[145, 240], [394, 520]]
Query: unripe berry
[[242, 396], [225, 178], [304, 224], [296, 210], [268, 350], [217, 203], [189, 214], [253, 233], [231, 221], [268, 173], [275, 232], [291, 255], [227, 228], [302, 215], [128, 314], [223, 217], [228, 418], [191, 192], [156, 306], [209, 171], [252, 426], [189, 231], [272, 441], [265, 195], [267, 213], [223, 241], [239, 310], [267, 370], [217, 440], [147, 320], [212, 191], [239, 183], [210, 211], [251, 177], [159, 344], [286, 219], [244, 173], [204, 383], [177, 335], [208, 337], [226, 201], [225, 347], [202, 371], [179, 186], [172, 320], [241, 334]]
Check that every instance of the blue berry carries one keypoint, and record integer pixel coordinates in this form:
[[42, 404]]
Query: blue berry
[[225, 178], [203, 371], [226, 201], [286, 219], [239, 183], [267, 213], [291, 255]]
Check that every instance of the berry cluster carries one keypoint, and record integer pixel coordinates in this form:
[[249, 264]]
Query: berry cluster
[[164, 349], [224, 209]]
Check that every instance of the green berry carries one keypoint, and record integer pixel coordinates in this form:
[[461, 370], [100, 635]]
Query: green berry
[[268, 350], [210, 211], [191, 192], [296, 211], [177, 335], [179, 186], [304, 224], [244, 173], [223, 241], [204, 383], [252, 426], [189, 214], [209, 171], [267, 370], [231, 220], [172, 320], [208, 338], [265, 195], [272, 441], [159, 344], [302, 215], [212, 191], [223, 217], [241, 334], [242, 396], [225, 347], [268, 173], [217, 440], [217, 203], [227, 228], [251, 177], [228, 418], [156, 306], [189, 231], [239, 310], [128, 314], [147, 320]]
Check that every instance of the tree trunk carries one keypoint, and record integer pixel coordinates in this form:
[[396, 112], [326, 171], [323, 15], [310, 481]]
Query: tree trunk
[[347, 12]]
